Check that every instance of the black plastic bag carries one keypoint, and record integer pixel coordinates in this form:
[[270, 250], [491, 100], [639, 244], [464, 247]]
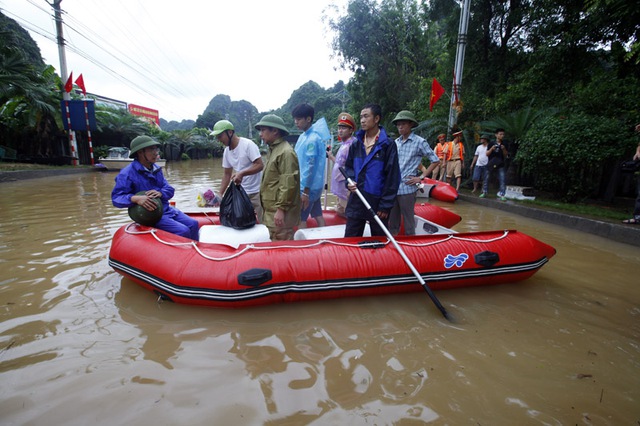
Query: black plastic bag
[[236, 210]]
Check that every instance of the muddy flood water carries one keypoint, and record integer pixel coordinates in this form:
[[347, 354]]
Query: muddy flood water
[[81, 345]]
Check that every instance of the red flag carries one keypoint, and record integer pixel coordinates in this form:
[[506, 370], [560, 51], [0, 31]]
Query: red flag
[[68, 87], [80, 83], [436, 91]]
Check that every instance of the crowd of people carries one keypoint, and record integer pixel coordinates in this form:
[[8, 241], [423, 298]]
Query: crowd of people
[[286, 189]]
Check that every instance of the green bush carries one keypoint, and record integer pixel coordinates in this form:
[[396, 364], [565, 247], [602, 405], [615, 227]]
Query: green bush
[[100, 151], [570, 156], [185, 157]]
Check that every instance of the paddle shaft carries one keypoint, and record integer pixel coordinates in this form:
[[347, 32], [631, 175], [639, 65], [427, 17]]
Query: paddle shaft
[[398, 248]]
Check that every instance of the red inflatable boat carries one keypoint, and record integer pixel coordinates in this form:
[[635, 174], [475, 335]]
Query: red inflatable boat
[[438, 190], [251, 270]]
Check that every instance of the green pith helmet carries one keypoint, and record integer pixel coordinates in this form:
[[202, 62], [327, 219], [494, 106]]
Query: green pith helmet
[[221, 126], [143, 216], [272, 120], [486, 136], [406, 116], [141, 142]]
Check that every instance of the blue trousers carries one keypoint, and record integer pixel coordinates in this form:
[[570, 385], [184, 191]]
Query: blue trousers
[[179, 223], [502, 188]]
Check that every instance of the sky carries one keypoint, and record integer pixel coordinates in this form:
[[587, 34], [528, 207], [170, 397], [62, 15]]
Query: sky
[[175, 56]]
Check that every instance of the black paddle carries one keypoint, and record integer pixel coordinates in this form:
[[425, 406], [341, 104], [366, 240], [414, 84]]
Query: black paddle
[[395, 244]]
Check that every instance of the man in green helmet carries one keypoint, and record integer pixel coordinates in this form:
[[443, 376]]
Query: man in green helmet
[[411, 149], [280, 187], [144, 175], [241, 161]]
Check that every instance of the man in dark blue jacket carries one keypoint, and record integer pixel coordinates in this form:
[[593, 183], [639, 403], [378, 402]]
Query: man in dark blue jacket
[[372, 164]]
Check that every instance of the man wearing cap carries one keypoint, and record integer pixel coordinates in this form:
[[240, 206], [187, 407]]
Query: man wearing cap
[[453, 159], [311, 153], [479, 166], [143, 175], [372, 164], [346, 127], [280, 185], [411, 149], [241, 161]]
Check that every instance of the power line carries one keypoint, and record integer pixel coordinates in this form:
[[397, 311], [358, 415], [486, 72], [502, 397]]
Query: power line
[[154, 79]]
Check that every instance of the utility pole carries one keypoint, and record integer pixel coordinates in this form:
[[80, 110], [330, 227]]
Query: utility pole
[[73, 147], [460, 50]]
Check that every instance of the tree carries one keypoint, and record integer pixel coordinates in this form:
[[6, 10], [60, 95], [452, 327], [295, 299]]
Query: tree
[[385, 44], [117, 127], [574, 156], [29, 107]]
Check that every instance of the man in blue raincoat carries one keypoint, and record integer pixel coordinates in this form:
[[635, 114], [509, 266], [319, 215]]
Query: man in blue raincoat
[[311, 152], [143, 175]]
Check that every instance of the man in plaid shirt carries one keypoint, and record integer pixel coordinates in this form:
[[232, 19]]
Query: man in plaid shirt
[[411, 149]]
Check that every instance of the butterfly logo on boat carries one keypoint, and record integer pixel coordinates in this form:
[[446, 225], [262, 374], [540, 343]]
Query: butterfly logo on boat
[[451, 260]]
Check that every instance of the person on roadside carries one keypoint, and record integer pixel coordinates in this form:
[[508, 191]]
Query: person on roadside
[[346, 127], [311, 153], [635, 220], [438, 172], [479, 166], [144, 175], [498, 154], [454, 158], [241, 161], [372, 164], [411, 150], [280, 185]]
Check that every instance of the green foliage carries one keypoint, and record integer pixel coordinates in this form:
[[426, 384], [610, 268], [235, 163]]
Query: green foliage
[[117, 127], [385, 44], [568, 155], [185, 157], [100, 151]]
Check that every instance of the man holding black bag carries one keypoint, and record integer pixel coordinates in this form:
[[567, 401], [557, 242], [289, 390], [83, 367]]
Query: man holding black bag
[[241, 161]]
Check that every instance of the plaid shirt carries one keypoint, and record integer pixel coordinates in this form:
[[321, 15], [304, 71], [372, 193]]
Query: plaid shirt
[[410, 153]]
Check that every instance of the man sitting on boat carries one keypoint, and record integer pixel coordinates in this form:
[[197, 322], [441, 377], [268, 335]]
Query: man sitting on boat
[[143, 175]]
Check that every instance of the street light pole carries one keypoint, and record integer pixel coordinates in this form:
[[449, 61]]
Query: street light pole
[[459, 65]]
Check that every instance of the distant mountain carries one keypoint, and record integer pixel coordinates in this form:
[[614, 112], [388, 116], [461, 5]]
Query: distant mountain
[[327, 103], [12, 35]]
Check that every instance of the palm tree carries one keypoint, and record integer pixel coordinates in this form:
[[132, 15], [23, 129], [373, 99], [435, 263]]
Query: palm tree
[[29, 106], [516, 125], [117, 127]]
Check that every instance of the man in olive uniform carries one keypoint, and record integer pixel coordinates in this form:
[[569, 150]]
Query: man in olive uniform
[[280, 186]]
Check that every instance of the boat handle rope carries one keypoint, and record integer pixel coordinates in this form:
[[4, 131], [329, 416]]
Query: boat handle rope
[[249, 247]]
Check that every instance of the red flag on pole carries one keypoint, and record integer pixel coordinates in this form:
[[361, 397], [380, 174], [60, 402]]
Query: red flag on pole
[[68, 87], [80, 83], [436, 91]]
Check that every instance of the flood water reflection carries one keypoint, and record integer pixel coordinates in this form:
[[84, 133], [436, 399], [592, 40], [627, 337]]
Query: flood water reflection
[[81, 345]]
